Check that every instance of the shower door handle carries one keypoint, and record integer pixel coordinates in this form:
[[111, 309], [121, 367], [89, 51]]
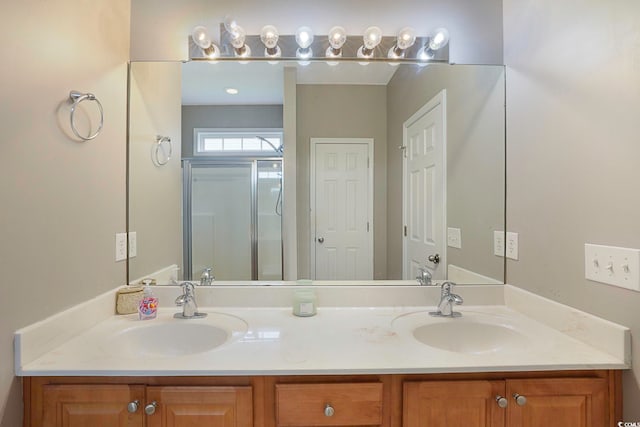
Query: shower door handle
[[320, 239]]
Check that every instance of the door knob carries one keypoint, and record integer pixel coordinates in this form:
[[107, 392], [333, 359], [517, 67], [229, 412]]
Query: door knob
[[320, 239], [150, 409], [434, 258], [502, 401], [520, 400], [132, 407]]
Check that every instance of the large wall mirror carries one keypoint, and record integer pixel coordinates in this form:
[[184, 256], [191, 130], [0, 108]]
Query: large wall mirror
[[340, 172]]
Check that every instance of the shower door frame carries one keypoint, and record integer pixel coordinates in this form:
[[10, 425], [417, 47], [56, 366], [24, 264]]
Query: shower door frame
[[187, 177]]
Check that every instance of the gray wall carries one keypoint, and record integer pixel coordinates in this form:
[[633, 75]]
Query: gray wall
[[226, 116], [342, 111], [573, 109], [62, 200], [155, 192], [160, 27], [475, 158]]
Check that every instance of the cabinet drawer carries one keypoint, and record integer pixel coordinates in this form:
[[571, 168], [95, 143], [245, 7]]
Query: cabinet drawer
[[307, 404]]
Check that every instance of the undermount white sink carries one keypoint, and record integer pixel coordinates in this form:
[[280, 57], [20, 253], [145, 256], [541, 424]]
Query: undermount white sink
[[175, 337], [462, 336], [476, 332]]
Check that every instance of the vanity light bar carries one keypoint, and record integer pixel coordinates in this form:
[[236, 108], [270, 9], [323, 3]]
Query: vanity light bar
[[289, 49]]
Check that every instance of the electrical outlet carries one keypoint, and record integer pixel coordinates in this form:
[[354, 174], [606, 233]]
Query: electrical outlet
[[454, 238], [498, 243], [613, 265], [511, 246], [133, 244], [121, 246]]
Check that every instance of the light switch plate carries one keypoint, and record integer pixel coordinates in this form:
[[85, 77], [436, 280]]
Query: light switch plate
[[511, 245], [133, 244], [121, 246], [498, 243], [454, 238], [613, 265]]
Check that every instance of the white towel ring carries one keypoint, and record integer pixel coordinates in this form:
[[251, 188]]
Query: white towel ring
[[160, 140], [77, 98]]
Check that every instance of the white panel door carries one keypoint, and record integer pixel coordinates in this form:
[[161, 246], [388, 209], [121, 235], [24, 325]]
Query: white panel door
[[424, 189], [342, 241]]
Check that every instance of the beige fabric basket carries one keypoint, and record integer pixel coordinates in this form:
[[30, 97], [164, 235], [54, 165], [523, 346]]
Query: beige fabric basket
[[128, 299]]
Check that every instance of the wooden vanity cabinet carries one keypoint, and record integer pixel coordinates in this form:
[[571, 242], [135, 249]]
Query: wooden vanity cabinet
[[91, 405], [562, 398], [542, 402]]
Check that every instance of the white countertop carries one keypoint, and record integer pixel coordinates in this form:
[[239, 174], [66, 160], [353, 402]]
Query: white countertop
[[338, 340]]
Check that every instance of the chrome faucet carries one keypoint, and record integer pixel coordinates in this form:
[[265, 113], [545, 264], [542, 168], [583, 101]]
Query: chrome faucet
[[207, 277], [424, 277], [188, 303], [447, 299]]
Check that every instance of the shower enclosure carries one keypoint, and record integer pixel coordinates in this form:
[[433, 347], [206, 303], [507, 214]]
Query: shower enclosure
[[233, 218]]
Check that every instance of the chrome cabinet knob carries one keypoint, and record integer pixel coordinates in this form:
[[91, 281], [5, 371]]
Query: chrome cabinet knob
[[520, 400], [320, 239], [150, 409], [132, 407], [502, 401], [329, 411]]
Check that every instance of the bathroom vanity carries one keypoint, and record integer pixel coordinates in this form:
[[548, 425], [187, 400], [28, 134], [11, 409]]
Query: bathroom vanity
[[354, 363]]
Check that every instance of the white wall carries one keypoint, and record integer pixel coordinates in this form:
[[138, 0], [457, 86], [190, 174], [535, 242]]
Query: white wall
[[161, 28], [573, 126], [62, 200]]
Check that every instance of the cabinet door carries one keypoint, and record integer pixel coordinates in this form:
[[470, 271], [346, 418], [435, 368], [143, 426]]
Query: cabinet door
[[575, 402], [453, 404], [200, 406], [92, 405]]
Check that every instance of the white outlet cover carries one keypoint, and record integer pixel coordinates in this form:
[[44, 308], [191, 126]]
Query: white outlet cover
[[133, 244], [454, 238], [511, 245], [613, 265], [498, 243], [121, 246]]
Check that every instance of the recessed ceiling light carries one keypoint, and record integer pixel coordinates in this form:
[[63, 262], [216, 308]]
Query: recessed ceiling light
[[231, 91]]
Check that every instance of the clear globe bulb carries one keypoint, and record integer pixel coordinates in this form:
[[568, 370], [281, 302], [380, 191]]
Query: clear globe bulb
[[438, 39], [406, 38], [337, 37], [238, 36], [200, 37], [269, 36], [304, 37], [372, 37]]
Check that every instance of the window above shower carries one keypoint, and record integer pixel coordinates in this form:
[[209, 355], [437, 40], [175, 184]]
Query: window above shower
[[237, 142]]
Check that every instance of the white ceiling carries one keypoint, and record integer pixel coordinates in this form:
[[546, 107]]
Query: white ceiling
[[204, 83]]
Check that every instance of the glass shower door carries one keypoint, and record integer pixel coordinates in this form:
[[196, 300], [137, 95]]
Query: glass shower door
[[269, 219], [233, 219], [221, 221]]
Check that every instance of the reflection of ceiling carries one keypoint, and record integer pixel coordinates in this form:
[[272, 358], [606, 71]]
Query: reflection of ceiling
[[204, 83]]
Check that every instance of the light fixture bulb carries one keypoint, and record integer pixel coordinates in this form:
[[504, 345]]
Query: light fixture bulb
[[238, 36], [337, 37], [200, 37], [406, 38], [304, 37], [438, 39], [269, 36], [372, 37]]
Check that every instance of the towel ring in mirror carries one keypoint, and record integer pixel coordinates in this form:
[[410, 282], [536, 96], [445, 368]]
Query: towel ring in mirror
[[77, 98], [162, 151]]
